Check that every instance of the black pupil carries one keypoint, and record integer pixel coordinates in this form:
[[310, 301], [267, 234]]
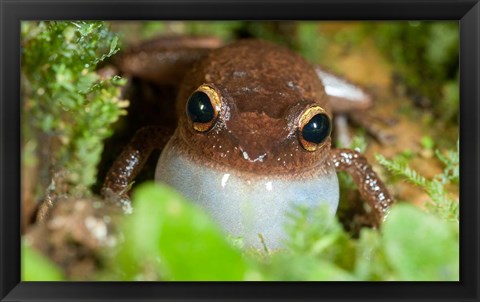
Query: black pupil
[[317, 129], [199, 108]]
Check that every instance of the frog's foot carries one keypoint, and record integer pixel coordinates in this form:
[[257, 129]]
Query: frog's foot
[[370, 123], [121, 200], [371, 188], [343, 136], [387, 121]]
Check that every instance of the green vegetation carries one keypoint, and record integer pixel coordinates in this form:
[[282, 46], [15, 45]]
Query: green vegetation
[[67, 107], [441, 201], [169, 238], [184, 244], [36, 267]]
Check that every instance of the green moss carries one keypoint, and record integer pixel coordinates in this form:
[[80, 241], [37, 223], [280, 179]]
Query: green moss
[[68, 107]]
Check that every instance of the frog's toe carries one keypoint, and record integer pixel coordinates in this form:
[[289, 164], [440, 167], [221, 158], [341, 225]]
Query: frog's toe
[[121, 200]]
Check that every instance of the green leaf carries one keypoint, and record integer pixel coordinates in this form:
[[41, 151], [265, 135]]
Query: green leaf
[[113, 46], [427, 142], [36, 267], [420, 246], [291, 267], [328, 271], [187, 244]]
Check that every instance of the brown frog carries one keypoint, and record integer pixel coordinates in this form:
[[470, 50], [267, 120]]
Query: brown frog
[[253, 136]]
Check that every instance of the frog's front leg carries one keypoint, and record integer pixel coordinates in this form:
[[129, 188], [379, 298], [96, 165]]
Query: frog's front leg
[[132, 159], [371, 188]]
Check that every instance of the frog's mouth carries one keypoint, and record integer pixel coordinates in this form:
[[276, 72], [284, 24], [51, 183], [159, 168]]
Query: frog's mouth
[[246, 207]]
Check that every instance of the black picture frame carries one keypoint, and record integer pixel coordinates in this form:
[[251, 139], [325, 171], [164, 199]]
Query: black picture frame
[[467, 12]]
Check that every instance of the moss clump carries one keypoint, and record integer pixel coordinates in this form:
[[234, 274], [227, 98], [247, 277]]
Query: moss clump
[[68, 107]]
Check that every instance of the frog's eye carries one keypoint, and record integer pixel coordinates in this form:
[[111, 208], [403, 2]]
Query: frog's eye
[[315, 128], [203, 107]]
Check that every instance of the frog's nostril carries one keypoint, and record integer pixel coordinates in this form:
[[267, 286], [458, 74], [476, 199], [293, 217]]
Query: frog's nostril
[[253, 156]]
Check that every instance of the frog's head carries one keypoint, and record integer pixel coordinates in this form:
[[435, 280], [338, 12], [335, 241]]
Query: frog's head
[[257, 107], [253, 119]]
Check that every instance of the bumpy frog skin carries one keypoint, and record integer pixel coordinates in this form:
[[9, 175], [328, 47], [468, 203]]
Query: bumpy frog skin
[[251, 166]]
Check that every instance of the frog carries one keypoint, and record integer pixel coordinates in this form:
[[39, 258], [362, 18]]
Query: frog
[[252, 137]]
